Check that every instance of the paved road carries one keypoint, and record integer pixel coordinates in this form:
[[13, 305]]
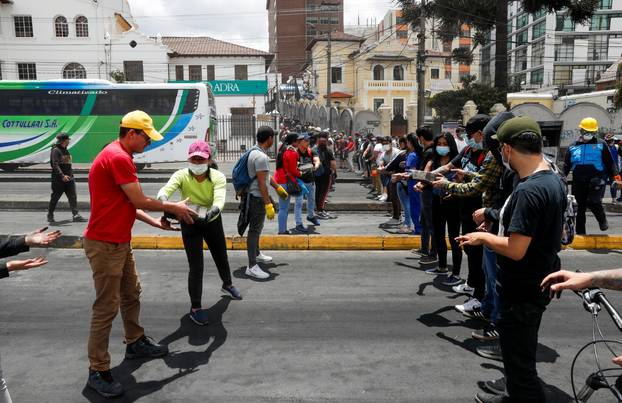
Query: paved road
[[346, 326]]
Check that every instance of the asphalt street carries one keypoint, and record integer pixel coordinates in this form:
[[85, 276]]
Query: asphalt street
[[326, 326]]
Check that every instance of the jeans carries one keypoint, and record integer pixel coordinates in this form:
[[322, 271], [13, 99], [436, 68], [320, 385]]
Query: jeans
[[58, 188], [310, 204], [402, 193], [283, 213], [490, 302], [193, 236], [5, 397], [415, 207], [428, 243], [256, 219]]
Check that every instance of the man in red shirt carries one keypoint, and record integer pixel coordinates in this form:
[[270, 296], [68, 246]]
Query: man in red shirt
[[116, 202]]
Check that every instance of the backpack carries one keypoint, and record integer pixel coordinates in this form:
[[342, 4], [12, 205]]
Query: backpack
[[241, 178], [570, 214]]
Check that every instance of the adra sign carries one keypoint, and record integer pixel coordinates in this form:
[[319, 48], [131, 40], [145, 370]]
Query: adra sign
[[238, 87]]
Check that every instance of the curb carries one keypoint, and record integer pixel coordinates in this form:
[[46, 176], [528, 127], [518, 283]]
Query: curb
[[325, 242]]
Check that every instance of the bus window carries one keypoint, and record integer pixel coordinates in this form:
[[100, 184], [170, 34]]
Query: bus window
[[192, 102], [151, 101], [39, 102]]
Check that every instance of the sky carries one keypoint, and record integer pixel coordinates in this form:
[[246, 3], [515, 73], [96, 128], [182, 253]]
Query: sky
[[244, 22]]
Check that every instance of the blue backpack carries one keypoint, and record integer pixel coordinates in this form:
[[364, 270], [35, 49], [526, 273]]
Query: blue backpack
[[241, 178]]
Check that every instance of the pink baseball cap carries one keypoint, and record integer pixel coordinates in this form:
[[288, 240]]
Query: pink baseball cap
[[200, 149]]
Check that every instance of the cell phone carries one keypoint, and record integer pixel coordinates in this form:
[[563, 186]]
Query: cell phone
[[44, 229]]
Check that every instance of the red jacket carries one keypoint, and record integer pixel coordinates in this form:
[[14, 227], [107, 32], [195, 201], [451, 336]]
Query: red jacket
[[290, 167]]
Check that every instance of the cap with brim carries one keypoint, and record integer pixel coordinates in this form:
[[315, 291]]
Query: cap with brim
[[516, 126], [62, 137], [139, 120], [477, 123]]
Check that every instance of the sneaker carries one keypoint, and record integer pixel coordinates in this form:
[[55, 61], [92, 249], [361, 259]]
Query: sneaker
[[619, 199], [405, 230], [104, 384], [322, 215], [51, 219], [261, 258], [314, 221], [285, 233], [437, 271], [452, 281], [232, 291], [418, 252], [383, 198], [301, 229], [199, 316], [492, 351], [488, 333], [477, 313], [428, 259], [604, 226], [496, 387], [463, 288], [471, 304], [256, 272], [78, 218], [482, 398], [145, 347]]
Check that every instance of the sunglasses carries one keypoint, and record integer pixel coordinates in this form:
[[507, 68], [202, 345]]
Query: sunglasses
[[144, 136]]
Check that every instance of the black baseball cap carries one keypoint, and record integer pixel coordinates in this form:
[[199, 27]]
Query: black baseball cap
[[477, 123]]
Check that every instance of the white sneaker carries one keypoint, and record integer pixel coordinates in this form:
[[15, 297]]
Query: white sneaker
[[263, 258], [470, 305], [405, 230], [463, 288], [383, 198], [256, 272]]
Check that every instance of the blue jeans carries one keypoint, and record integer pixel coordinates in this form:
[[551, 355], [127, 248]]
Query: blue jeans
[[490, 302], [310, 204], [402, 194], [415, 208], [283, 212]]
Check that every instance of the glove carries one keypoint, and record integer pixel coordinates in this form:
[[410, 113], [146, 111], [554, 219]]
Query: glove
[[282, 192], [213, 212], [270, 211]]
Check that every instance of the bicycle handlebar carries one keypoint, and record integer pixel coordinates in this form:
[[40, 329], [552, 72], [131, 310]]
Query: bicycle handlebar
[[596, 296]]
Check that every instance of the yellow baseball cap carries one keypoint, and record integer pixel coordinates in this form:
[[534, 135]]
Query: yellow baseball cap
[[141, 121]]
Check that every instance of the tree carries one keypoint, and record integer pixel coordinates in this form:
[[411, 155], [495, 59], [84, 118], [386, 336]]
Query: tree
[[484, 15]]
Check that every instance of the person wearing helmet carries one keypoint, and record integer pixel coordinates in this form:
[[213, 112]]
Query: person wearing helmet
[[591, 163]]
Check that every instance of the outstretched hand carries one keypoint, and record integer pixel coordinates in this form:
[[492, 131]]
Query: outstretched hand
[[566, 280], [41, 238], [166, 225], [15, 265]]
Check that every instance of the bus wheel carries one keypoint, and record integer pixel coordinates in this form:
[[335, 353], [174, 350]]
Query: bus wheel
[[139, 167], [9, 167]]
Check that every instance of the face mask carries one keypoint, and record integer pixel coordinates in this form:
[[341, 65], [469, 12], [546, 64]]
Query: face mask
[[197, 169], [387, 147], [588, 137], [442, 150], [473, 144], [506, 164]]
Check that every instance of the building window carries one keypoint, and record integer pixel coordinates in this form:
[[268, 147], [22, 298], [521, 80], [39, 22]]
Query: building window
[[593, 73], [82, 27], [562, 75], [600, 22], [522, 20], [537, 54], [539, 14], [434, 74], [324, 20], [398, 73], [133, 70], [27, 71], [521, 38], [61, 27], [335, 76], [398, 107], [564, 23], [465, 32], [211, 75], [378, 103], [241, 72], [538, 30], [447, 47], [564, 52], [334, 21], [23, 26], [520, 60], [464, 74], [401, 34], [378, 73], [597, 47], [605, 4], [75, 71], [448, 72], [195, 73], [537, 77], [311, 20], [399, 20], [179, 73]]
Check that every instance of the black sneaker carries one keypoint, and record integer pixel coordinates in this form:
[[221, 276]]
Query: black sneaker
[[492, 352], [488, 333], [285, 233], [232, 291], [300, 229], [145, 347], [437, 271], [496, 387], [482, 398], [476, 313], [313, 220], [51, 219], [103, 383], [78, 218], [428, 259], [604, 225]]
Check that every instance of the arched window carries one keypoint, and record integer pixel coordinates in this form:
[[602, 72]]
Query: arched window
[[74, 70], [82, 26], [398, 73], [378, 73], [61, 27]]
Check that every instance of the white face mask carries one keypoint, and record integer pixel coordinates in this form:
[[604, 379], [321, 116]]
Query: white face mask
[[506, 164], [197, 169], [387, 147], [588, 137]]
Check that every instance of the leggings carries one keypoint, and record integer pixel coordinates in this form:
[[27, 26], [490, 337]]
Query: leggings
[[193, 236], [322, 185], [446, 213]]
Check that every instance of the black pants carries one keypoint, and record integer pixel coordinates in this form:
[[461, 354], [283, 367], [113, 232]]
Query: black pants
[[193, 236], [396, 208], [322, 185], [446, 213], [256, 219], [518, 327], [58, 188], [474, 254], [588, 196]]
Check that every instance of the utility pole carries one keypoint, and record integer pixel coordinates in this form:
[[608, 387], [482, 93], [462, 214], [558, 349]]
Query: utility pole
[[421, 68], [329, 81]]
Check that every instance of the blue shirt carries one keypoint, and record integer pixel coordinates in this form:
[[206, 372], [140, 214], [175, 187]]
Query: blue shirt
[[412, 162]]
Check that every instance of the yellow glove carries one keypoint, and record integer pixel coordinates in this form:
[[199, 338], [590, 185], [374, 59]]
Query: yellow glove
[[270, 211], [282, 192]]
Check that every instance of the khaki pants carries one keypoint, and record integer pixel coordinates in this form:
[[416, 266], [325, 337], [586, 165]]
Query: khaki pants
[[116, 287]]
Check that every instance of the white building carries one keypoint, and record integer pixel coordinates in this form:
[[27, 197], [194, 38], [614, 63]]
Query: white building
[[547, 52]]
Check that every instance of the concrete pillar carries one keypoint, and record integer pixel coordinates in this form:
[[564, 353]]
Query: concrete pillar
[[497, 108], [411, 115], [385, 119], [468, 111]]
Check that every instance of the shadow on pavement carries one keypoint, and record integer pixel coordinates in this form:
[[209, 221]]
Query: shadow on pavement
[[435, 319]]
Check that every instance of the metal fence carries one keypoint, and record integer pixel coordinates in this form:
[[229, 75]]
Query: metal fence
[[235, 134]]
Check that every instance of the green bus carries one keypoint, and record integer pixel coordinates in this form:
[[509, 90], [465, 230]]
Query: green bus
[[32, 113]]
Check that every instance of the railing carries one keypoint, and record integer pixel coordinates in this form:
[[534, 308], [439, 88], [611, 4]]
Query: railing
[[390, 85]]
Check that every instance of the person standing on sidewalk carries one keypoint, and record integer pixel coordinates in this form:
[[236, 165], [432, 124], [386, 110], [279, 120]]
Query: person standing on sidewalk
[[13, 246], [260, 205], [309, 163], [205, 188], [117, 201], [62, 178], [324, 175], [425, 136], [287, 171]]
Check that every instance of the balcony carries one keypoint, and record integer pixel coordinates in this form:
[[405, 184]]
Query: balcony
[[389, 85]]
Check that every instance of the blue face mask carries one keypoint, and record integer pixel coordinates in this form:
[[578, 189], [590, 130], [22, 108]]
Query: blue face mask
[[475, 145], [442, 150]]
